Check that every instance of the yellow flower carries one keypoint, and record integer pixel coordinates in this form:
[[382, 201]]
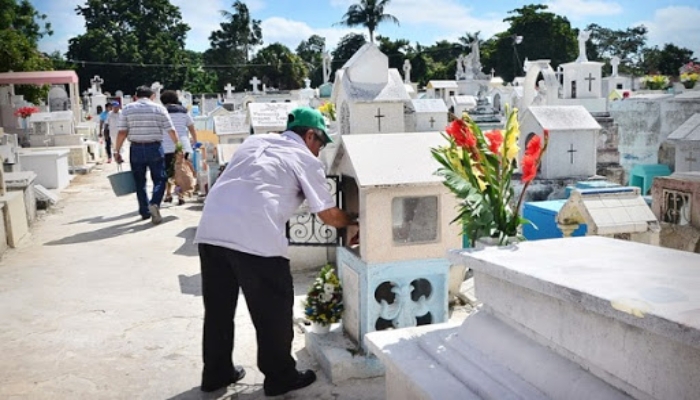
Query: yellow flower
[[512, 133]]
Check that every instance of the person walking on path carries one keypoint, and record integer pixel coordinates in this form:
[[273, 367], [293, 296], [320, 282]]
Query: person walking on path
[[112, 127], [143, 123], [242, 244], [184, 125], [104, 128]]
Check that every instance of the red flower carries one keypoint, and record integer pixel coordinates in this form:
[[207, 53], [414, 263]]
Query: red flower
[[25, 112], [534, 147], [495, 138], [529, 168], [461, 133]]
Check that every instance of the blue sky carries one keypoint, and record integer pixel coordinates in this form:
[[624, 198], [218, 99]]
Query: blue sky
[[424, 21]]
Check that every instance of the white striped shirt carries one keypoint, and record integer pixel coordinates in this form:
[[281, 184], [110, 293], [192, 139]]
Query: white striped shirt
[[181, 121], [145, 121]]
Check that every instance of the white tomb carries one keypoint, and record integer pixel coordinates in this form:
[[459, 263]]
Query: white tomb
[[428, 115], [573, 135], [231, 128], [687, 142], [582, 80], [53, 123], [575, 318], [616, 81], [369, 96], [269, 117], [462, 103], [50, 166], [442, 90]]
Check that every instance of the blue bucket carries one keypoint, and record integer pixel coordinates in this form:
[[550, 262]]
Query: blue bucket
[[122, 183]]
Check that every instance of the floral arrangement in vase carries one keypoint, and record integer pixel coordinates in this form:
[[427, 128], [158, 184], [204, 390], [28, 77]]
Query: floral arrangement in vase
[[324, 300], [25, 112], [656, 82], [478, 168]]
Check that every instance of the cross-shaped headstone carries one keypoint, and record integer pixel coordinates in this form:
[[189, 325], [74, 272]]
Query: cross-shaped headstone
[[379, 117], [97, 82], [406, 71], [571, 151], [229, 90], [690, 160], [590, 80], [255, 82], [432, 121], [307, 82]]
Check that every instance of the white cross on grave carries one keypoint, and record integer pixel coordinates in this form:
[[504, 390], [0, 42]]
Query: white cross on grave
[[307, 82], [229, 90], [97, 82], [615, 62], [255, 82]]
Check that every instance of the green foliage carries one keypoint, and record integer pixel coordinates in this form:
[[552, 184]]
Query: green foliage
[[277, 66], [666, 61], [368, 13], [197, 80], [627, 44], [150, 32], [311, 52], [395, 50]]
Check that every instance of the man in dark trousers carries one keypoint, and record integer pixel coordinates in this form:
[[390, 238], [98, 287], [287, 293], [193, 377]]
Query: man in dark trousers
[[242, 244], [144, 123]]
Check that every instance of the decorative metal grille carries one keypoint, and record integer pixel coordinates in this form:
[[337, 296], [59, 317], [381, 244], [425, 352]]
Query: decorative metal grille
[[675, 207], [306, 229]]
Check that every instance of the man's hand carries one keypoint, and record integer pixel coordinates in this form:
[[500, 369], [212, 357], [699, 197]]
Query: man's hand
[[118, 158]]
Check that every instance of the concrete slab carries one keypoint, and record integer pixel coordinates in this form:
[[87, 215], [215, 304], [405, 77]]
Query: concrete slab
[[15, 217]]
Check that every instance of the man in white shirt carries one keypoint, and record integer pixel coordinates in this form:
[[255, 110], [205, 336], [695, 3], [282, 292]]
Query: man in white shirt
[[112, 128], [242, 243]]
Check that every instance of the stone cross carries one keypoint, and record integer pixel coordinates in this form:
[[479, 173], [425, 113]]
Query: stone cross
[[97, 82], [615, 61], [690, 160], [255, 82], [493, 73], [229, 90], [406, 71], [582, 37], [379, 117], [432, 121], [590, 80], [307, 83], [571, 151]]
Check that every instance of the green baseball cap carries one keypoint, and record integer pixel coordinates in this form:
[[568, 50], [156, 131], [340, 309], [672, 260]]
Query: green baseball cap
[[308, 117]]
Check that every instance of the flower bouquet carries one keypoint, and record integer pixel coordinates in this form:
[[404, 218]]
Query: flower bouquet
[[324, 300], [655, 82], [25, 112], [328, 110], [688, 79], [478, 168]]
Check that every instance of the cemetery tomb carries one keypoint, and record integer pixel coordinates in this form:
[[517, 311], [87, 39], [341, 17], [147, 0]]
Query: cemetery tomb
[[52, 123], [618, 212], [462, 103], [231, 128], [14, 217], [23, 182], [573, 136], [397, 276], [50, 166], [369, 96], [269, 117], [687, 142], [574, 318], [676, 198], [429, 115]]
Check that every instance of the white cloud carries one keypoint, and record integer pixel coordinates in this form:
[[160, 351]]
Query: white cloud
[[290, 33], [677, 25], [202, 20], [65, 22], [580, 9]]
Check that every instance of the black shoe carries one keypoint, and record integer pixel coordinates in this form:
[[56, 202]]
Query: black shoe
[[303, 379], [238, 374], [180, 201], [145, 217]]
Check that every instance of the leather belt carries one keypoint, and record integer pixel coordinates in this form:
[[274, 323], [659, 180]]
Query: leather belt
[[145, 143]]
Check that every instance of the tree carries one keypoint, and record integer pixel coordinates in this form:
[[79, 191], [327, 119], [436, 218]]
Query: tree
[[130, 44], [666, 61], [197, 80], [626, 44], [545, 36], [279, 67], [21, 27], [231, 43], [368, 13], [395, 50], [311, 52], [346, 48]]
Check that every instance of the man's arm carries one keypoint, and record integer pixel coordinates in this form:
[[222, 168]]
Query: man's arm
[[121, 136], [337, 218]]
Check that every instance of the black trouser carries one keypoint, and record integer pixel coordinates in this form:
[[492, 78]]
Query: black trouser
[[269, 292], [108, 144]]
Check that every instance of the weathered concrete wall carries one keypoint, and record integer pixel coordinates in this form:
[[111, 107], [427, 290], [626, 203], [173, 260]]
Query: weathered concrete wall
[[645, 123]]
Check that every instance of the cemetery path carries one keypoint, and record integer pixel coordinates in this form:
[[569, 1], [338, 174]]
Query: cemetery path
[[98, 304]]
